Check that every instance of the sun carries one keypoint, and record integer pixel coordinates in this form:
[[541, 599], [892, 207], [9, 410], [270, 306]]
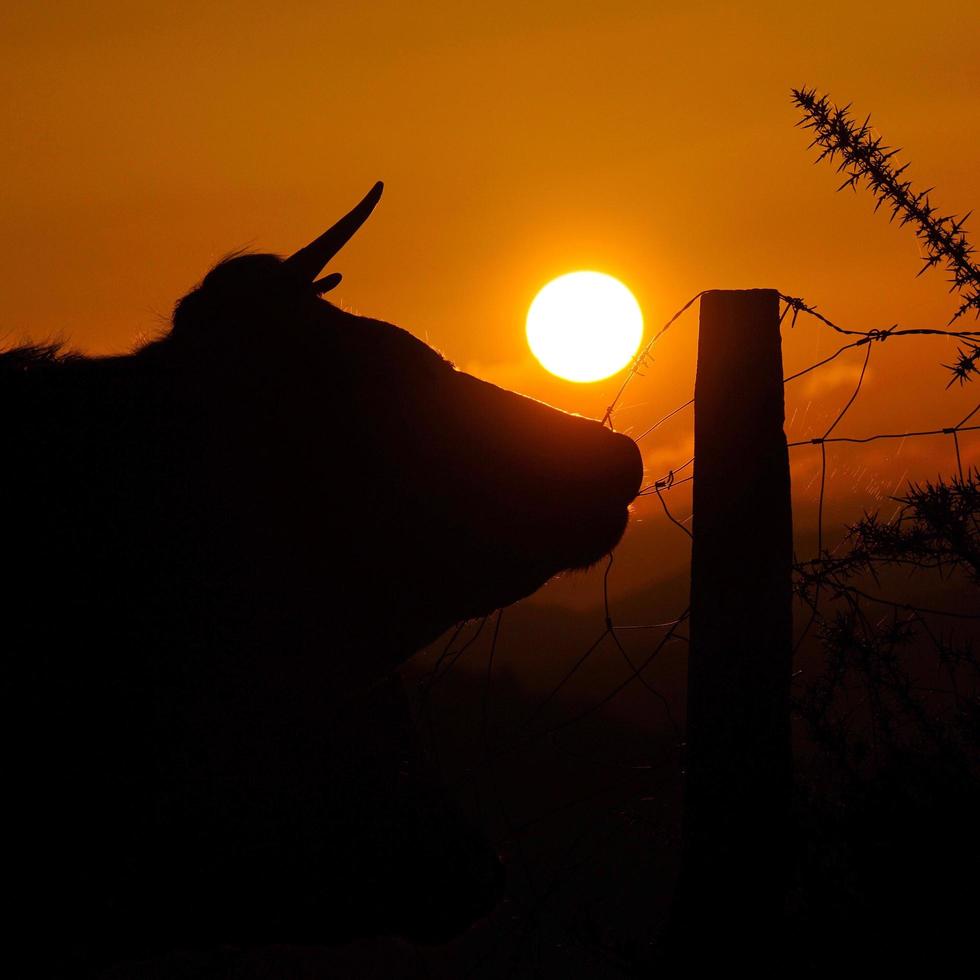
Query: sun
[[584, 326]]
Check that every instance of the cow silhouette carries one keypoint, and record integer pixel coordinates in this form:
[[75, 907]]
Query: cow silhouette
[[216, 550]]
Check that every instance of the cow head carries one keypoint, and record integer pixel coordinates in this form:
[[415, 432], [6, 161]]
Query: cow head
[[267, 508], [367, 473]]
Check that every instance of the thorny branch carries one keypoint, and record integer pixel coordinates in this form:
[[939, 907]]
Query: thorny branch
[[864, 157]]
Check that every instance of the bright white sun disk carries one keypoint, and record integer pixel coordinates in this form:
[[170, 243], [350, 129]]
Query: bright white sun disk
[[584, 326]]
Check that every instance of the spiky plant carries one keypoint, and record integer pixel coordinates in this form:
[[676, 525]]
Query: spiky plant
[[936, 526], [863, 157]]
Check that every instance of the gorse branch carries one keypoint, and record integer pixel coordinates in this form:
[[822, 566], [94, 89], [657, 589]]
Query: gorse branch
[[937, 527], [864, 157]]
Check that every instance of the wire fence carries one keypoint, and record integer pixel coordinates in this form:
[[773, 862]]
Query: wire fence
[[670, 480], [834, 575], [818, 579]]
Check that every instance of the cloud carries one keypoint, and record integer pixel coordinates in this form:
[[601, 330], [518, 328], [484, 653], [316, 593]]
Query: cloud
[[661, 458], [831, 377]]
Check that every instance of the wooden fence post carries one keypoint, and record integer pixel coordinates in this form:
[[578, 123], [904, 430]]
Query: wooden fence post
[[736, 835]]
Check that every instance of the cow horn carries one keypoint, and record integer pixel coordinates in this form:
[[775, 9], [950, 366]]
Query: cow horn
[[308, 262]]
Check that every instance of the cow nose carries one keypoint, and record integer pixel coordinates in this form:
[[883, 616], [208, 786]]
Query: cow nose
[[625, 465], [632, 465]]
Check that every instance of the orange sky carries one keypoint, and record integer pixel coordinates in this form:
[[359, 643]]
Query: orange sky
[[651, 141]]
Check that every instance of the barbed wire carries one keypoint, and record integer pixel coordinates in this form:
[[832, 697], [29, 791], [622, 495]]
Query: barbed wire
[[641, 359], [817, 582], [797, 305], [827, 576], [448, 658]]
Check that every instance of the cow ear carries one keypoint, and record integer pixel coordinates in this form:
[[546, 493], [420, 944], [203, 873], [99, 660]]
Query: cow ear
[[327, 283]]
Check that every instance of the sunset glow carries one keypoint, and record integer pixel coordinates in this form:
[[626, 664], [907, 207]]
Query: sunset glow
[[584, 326], [518, 466]]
